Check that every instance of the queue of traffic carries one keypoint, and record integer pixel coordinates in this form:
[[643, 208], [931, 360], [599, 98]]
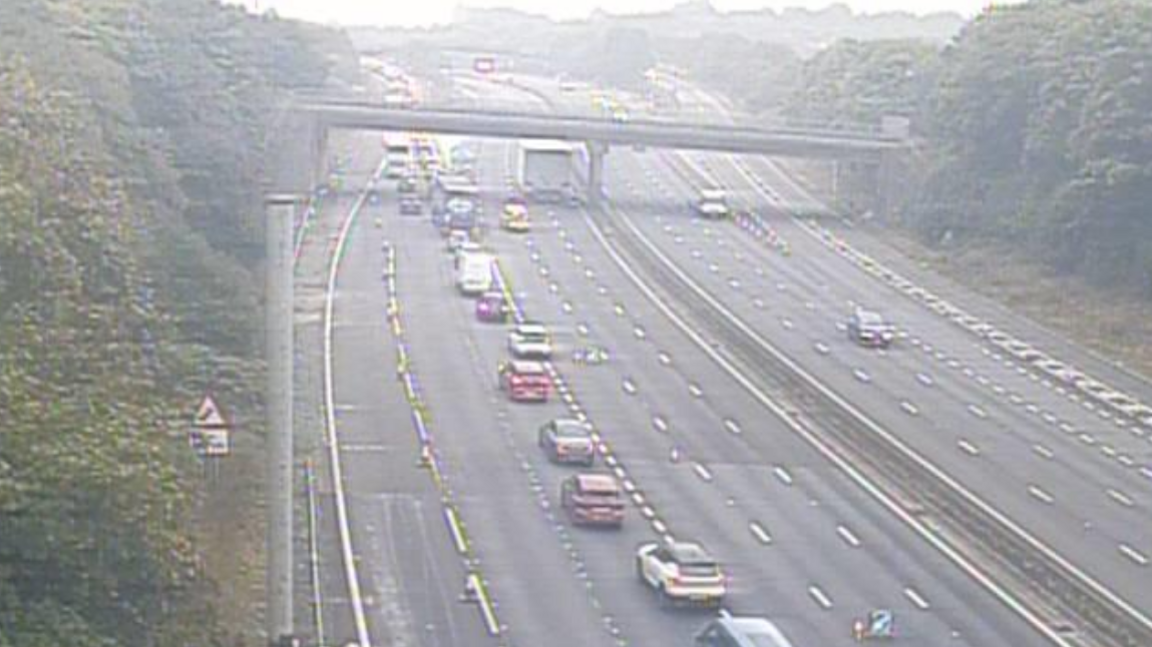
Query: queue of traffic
[[680, 573]]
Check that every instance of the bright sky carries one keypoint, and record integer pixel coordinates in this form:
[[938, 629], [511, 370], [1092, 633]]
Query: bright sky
[[427, 12]]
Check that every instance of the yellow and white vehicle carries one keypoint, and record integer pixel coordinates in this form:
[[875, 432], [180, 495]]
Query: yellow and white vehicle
[[514, 217]]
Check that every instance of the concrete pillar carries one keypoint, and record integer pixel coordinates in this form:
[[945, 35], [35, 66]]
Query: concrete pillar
[[596, 152], [280, 210]]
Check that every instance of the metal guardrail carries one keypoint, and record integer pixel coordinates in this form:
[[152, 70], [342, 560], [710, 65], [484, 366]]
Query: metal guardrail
[[1041, 585]]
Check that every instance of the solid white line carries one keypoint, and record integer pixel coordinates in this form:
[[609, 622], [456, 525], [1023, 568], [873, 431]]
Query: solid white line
[[916, 599], [336, 467], [840, 462]]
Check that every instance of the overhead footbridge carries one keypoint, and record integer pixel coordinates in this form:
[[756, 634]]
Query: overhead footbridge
[[869, 148]]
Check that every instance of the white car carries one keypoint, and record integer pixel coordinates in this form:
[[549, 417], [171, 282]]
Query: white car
[[530, 340], [681, 573]]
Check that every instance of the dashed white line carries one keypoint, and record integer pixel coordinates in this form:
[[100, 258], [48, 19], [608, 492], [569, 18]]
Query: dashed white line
[[977, 411], [916, 599], [695, 390], [909, 408], [702, 472], [732, 426], [783, 475], [968, 448], [660, 424], [1121, 498], [820, 597], [760, 533], [1133, 554], [1043, 451], [848, 537], [1038, 493]]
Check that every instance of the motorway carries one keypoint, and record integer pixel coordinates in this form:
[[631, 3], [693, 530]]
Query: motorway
[[804, 544]]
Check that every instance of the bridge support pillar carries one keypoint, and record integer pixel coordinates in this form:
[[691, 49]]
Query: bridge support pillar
[[596, 152]]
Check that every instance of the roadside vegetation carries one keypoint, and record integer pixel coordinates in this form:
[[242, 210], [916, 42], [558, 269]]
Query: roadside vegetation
[[132, 144]]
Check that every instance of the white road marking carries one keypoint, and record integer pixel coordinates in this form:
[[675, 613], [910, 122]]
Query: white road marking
[[1037, 492], [820, 597], [702, 472], [783, 475], [916, 599], [821, 348], [760, 533], [977, 411], [968, 448], [660, 424], [1043, 451], [909, 408], [732, 426], [848, 537], [1133, 554], [1121, 498], [695, 390]]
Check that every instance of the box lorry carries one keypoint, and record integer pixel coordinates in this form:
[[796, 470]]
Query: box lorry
[[545, 170]]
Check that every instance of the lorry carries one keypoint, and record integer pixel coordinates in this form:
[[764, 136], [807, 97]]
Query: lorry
[[455, 202], [545, 170], [474, 274]]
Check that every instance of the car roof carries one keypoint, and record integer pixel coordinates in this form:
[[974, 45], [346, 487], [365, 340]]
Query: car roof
[[527, 366], [531, 327], [689, 553], [754, 632], [601, 483]]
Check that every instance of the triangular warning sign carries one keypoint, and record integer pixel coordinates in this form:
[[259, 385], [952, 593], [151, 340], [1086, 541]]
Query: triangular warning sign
[[208, 414]]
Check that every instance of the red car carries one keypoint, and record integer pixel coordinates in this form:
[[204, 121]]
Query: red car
[[524, 380], [593, 499], [490, 307]]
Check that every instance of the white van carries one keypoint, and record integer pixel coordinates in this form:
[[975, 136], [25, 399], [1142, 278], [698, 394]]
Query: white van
[[474, 274]]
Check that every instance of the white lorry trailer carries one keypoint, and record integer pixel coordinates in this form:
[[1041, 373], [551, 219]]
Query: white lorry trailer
[[546, 170]]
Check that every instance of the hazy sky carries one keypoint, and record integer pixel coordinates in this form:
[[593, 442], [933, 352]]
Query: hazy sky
[[426, 12]]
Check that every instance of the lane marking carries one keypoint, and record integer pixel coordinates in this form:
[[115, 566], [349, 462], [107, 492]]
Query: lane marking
[[1037, 492], [847, 535], [820, 597], [1043, 451], [783, 475], [968, 448], [732, 426], [1133, 554], [1121, 498], [760, 533], [702, 472], [916, 599]]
